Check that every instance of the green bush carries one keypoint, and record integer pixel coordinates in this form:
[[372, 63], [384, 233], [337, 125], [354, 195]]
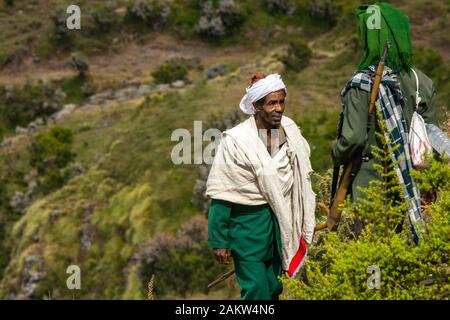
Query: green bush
[[55, 144], [185, 17], [78, 61], [50, 153], [148, 14], [339, 264], [280, 6], [187, 256], [105, 19], [19, 105], [219, 18], [170, 72], [61, 35], [340, 269], [78, 89], [326, 10], [298, 55], [434, 178], [195, 268]]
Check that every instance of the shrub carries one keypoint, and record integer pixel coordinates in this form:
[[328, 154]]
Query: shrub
[[170, 72], [298, 55], [61, 34], [324, 10], [21, 105], [55, 145], [282, 6], [78, 89], [154, 14], [185, 17], [79, 62], [216, 70], [187, 256], [50, 153], [88, 88], [219, 18], [340, 262], [436, 177], [105, 19]]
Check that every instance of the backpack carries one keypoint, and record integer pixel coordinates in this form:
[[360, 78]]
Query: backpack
[[418, 138]]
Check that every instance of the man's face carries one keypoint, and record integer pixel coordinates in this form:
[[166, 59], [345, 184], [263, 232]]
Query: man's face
[[273, 108]]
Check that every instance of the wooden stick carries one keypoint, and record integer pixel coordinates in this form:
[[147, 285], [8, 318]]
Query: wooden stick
[[326, 212], [223, 277]]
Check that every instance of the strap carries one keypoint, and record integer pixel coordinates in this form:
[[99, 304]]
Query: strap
[[418, 98]]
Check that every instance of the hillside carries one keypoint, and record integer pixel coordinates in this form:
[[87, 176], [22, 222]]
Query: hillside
[[121, 210]]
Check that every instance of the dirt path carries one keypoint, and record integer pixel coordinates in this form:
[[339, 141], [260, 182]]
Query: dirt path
[[134, 62]]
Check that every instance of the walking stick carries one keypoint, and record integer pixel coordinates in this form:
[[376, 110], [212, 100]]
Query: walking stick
[[223, 277]]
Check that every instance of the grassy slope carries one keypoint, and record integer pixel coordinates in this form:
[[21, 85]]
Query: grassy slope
[[146, 192], [134, 189], [28, 25]]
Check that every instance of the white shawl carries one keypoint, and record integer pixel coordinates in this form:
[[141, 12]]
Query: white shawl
[[244, 172]]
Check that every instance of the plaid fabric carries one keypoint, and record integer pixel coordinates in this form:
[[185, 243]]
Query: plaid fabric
[[388, 103]]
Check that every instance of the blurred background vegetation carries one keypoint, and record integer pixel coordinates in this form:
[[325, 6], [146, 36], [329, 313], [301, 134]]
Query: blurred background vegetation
[[86, 118]]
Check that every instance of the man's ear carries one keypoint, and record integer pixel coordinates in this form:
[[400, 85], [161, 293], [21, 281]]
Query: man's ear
[[256, 107]]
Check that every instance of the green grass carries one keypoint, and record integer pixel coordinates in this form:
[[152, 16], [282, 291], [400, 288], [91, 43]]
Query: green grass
[[136, 158], [319, 130], [33, 27], [135, 188], [73, 89]]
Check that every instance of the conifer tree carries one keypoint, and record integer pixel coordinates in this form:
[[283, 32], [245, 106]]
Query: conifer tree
[[342, 266]]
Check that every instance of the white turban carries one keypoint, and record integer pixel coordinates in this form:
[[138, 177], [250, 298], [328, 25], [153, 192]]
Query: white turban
[[259, 90]]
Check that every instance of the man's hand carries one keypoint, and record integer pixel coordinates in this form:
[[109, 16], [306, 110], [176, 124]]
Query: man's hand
[[222, 255]]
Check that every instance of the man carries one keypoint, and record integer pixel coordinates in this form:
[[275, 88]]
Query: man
[[397, 101], [262, 208]]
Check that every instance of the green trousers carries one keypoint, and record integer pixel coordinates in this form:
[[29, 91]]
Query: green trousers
[[252, 233], [258, 279]]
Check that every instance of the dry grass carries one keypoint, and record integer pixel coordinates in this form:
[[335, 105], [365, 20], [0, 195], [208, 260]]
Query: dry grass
[[151, 294]]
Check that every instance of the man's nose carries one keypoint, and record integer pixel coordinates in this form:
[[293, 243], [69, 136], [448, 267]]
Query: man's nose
[[278, 107]]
